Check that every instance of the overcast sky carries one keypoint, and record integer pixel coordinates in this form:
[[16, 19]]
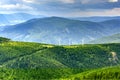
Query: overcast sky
[[65, 8]]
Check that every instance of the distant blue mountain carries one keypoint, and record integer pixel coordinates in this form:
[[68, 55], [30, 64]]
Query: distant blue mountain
[[57, 30], [107, 39], [96, 18], [15, 18]]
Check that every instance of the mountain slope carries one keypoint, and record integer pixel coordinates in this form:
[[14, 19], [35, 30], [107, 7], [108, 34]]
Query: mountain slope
[[24, 60], [111, 73], [113, 25], [109, 39], [46, 30], [15, 18], [14, 54], [96, 18], [56, 30]]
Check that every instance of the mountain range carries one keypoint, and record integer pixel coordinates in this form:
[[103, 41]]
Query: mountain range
[[108, 39], [15, 18], [96, 18], [57, 30]]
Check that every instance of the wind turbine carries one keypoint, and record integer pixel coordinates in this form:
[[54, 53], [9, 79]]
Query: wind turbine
[[83, 41], [59, 41], [69, 41]]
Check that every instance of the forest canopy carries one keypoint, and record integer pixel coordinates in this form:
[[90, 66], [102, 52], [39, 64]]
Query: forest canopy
[[2, 39]]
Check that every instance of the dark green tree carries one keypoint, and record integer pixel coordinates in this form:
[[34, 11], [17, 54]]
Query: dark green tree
[[2, 39]]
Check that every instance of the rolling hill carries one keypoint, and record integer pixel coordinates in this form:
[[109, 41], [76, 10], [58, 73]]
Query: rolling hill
[[107, 73], [46, 30], [34, 61]]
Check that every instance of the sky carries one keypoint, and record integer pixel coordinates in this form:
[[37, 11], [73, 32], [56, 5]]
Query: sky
[[64, 8]]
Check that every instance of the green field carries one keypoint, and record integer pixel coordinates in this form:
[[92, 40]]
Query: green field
[[35, 61]]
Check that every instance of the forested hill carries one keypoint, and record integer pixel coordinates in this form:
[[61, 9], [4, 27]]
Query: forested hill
[[107, 73], [34, 61]]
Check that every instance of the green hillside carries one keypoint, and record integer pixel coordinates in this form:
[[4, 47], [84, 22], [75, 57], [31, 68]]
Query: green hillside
[[35, 61], [108, 73]]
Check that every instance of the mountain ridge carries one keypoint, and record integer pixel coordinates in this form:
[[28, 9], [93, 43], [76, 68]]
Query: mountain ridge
[[15, 18], [46, 30], [115, 38]]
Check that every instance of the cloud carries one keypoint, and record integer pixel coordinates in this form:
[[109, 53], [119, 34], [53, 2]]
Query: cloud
[[62, 7], [30, 1], [14, 6], [67, 1], [10, 1], [48, 1], [113, 1], [110, 12], [92, 2], [85, 1], [96, 1]]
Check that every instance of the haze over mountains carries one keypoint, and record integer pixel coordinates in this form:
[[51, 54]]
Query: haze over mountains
[[15, 18], [96, 18], [58, 30], [108, 39]]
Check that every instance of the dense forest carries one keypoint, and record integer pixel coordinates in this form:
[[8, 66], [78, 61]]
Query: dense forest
[[36, 61]]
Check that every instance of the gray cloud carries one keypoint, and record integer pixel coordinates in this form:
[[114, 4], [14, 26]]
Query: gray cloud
[[61, 7]]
